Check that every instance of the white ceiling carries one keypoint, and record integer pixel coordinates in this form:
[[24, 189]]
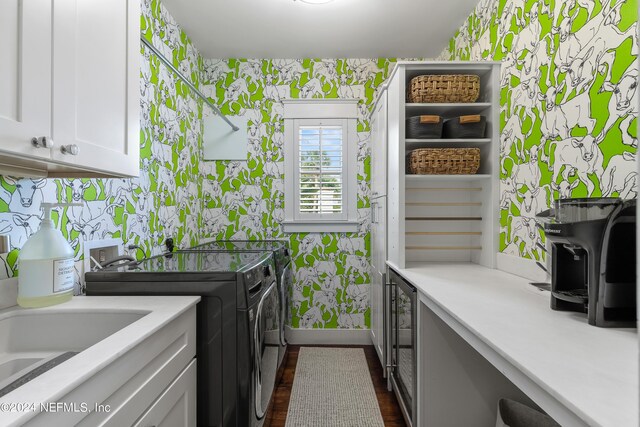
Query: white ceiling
[[340, 29]]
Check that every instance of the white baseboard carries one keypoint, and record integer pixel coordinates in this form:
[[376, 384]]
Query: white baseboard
[[297, 336], [522, 267]]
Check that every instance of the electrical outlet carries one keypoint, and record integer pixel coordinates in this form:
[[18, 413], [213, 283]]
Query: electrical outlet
[[101, 251]]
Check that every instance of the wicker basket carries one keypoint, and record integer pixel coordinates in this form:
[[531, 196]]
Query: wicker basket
[[444, 161], [444, 88]]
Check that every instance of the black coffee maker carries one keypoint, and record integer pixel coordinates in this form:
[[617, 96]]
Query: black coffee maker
[[593, 258]]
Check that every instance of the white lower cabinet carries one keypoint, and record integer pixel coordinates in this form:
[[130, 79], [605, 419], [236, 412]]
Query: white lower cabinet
[[133, 387], [177, 405], [378, 288]]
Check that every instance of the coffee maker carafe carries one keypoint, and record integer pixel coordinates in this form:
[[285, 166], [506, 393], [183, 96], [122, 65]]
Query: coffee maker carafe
[[593, 250]]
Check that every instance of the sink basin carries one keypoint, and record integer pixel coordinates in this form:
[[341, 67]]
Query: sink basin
[[117, 352], [15, 365], [40, 339]]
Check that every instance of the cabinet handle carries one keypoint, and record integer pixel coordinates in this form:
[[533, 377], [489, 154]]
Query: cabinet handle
[[42, 142], [374, 212], [71, 149]]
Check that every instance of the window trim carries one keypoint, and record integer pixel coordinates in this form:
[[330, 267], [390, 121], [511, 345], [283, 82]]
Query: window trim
[[305, 112]]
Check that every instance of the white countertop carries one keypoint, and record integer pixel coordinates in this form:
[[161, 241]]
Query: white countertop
[[591, 371], [158, 312]]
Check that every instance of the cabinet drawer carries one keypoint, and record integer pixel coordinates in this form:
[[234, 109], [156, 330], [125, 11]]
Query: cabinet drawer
[[177, 404]]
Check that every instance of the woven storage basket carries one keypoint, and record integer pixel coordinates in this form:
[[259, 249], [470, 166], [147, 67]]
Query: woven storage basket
[[444, 161], [424, 127], [444, 88]]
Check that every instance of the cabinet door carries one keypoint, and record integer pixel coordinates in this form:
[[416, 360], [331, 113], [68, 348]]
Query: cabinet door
[[96, 98], [373, 289], [381, 252], [25, 76], [373, 234], [379, 148], [177, 404], [403, 350], [378, 259]]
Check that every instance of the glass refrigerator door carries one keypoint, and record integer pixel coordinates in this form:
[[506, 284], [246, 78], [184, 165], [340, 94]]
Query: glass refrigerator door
[[403, 339]]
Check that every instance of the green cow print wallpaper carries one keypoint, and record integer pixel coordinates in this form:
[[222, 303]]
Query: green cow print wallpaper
[[568, 119], [568, 103], [179, 195], [246, 200]]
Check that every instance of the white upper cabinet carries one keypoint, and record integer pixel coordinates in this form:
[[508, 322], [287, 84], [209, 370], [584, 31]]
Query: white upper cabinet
[[25, 77], [96, 46], [75, 80], [379, 147]]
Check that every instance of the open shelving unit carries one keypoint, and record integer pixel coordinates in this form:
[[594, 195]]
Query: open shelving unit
[[423, 179], [443, 217]]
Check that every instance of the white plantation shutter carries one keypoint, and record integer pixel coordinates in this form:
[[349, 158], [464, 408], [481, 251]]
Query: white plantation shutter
[[321, 174]]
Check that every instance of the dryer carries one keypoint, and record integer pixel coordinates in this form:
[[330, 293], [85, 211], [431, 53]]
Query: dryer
[[238, 324], [284, 274]]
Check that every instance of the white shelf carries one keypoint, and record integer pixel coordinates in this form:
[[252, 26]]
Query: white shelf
[[477, 140], [412, 144], [425, 204], [428, 178], [443, 248], [416, 68], [447, 109]]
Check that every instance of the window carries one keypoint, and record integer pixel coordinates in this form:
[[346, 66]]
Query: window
[[320, 169], [320, 166]]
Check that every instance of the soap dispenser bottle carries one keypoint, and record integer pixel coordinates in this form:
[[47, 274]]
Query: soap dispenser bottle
[[46, 265]]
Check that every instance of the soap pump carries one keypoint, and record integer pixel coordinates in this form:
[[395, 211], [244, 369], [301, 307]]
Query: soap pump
[[46, 265]]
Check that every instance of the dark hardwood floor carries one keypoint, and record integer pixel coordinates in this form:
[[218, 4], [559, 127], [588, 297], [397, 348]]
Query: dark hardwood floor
[[389, 408]]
